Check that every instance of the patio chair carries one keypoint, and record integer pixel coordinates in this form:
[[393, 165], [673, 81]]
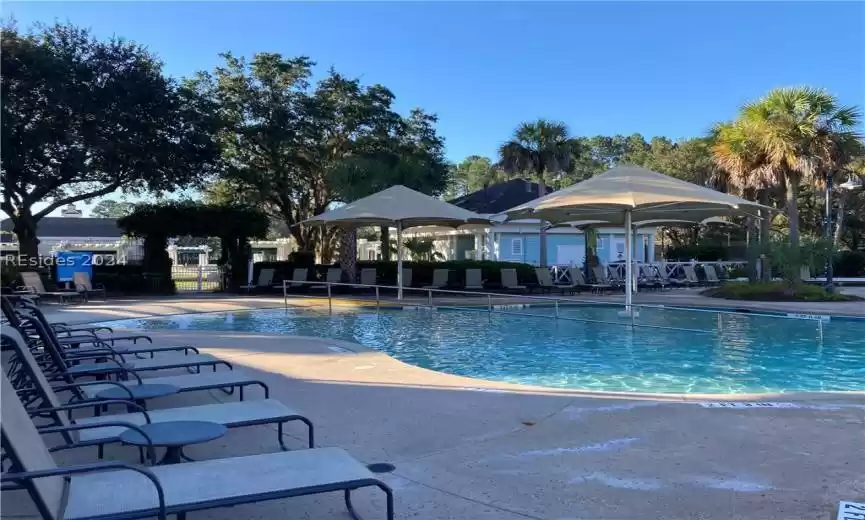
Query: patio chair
[[368, 277], [265, 280], [231, 415], [650, 278], [113, 490], [662, 275], [298, 278], [546, 284], [107, 362], [474, 280], [97, 344], [56, 369], [440, 279], [510, 281], [600, 274], [406, 277], [333, 275], [33, 285], [85, 287], [691, 278], [711, 275], [578, 278]]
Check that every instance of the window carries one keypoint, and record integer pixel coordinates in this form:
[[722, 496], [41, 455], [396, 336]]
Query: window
[[517, 247]]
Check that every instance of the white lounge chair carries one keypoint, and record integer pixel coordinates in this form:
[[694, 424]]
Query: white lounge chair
[[440, 279], [474, 280], [33, 285], [85, 287], [691, 276], [112, 490], [510, 282], [711, 275]]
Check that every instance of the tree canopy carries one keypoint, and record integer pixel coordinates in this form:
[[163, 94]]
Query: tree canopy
[[109, 208], [82, 118]]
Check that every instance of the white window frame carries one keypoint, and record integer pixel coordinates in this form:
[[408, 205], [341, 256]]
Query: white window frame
[[517, 247]]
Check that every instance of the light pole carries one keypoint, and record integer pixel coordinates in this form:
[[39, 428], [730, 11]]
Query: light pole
[[828, 232], [849, 185]]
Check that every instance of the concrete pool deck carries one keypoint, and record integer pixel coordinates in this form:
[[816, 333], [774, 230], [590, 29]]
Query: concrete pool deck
[[472, 449]]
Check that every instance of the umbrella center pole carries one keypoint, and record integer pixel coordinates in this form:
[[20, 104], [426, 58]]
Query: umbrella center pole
[[398, 260], [629, 311]]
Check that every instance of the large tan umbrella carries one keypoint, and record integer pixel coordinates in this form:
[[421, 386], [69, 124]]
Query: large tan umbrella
[[627, 193], [402, 208]]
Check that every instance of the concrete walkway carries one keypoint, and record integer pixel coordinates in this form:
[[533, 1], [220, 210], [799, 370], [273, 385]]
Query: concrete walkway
[[471, 449]]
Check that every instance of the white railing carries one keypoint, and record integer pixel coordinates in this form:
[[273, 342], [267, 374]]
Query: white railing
[[555, 302]]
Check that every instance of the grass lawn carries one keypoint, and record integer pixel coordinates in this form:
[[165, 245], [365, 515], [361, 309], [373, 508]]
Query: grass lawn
[[776, 292]]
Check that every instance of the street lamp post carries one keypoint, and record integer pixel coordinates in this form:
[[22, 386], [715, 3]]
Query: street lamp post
[[829, 263]]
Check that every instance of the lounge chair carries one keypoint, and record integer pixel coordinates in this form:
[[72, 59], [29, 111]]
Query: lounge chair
[[510, 281], [108, 362], [368, 277], [33, 285], [440, 279], [711, 275], [265, 279], [691, 278], [114, 490], [662, 275], [474, 280], [580, 280], [298, 278], [650, 278], [226, 381], [334, 275], [85, 287], [601, 277], [546, 284], [406, 277], [231, 415], [76, 337]]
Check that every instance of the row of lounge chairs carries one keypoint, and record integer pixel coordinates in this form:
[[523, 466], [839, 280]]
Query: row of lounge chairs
[[44, 379], [33, 288]]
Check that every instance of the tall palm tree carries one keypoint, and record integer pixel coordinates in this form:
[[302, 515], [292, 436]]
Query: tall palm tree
[[793, 127], [538, 148]]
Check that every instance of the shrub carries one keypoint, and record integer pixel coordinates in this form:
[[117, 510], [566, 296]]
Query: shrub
[[775, 291], [131, 279], [850, 263], [704, 252]]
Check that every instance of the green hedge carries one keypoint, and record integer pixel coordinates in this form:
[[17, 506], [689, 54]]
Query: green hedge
[[131, 279], [705, 252], [422, 272], [850, 263]]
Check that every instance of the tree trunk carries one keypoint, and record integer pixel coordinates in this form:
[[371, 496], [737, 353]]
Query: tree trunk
[[542, 237], [348, 254], [24, 227], [794, 273], [765, 229], [385, 243]]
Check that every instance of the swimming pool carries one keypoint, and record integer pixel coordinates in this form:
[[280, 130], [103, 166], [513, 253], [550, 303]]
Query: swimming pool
[[733, 354]]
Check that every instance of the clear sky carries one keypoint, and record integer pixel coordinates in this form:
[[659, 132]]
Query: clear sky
[[603, 68]]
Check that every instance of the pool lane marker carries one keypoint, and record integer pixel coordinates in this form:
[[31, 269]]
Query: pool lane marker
[[851, 511], [740, 404]]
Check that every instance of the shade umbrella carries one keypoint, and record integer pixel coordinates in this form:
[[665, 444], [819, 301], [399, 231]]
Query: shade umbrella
[[402, 208], [624, 194]]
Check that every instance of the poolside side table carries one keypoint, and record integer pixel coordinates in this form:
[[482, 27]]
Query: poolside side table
[[139, 394], [174, 436]]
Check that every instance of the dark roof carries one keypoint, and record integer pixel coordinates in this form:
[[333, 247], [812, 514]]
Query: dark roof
[[86, 227], [499, 197]]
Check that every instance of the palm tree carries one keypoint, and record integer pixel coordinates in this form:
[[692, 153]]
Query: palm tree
[[793, 127], [743, 168], [539, 148]]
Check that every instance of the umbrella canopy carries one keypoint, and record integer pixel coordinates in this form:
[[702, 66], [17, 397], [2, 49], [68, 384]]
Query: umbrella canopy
[[400, 207], [394, 206], [648, 195], [627, 193]]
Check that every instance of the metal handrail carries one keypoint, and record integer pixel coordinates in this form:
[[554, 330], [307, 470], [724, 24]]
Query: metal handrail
[[286, 284]]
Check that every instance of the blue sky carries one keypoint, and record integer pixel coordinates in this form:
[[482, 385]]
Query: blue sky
[[603, 68]]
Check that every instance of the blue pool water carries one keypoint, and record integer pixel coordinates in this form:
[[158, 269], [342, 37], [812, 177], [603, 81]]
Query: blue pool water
[[738, 354]]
